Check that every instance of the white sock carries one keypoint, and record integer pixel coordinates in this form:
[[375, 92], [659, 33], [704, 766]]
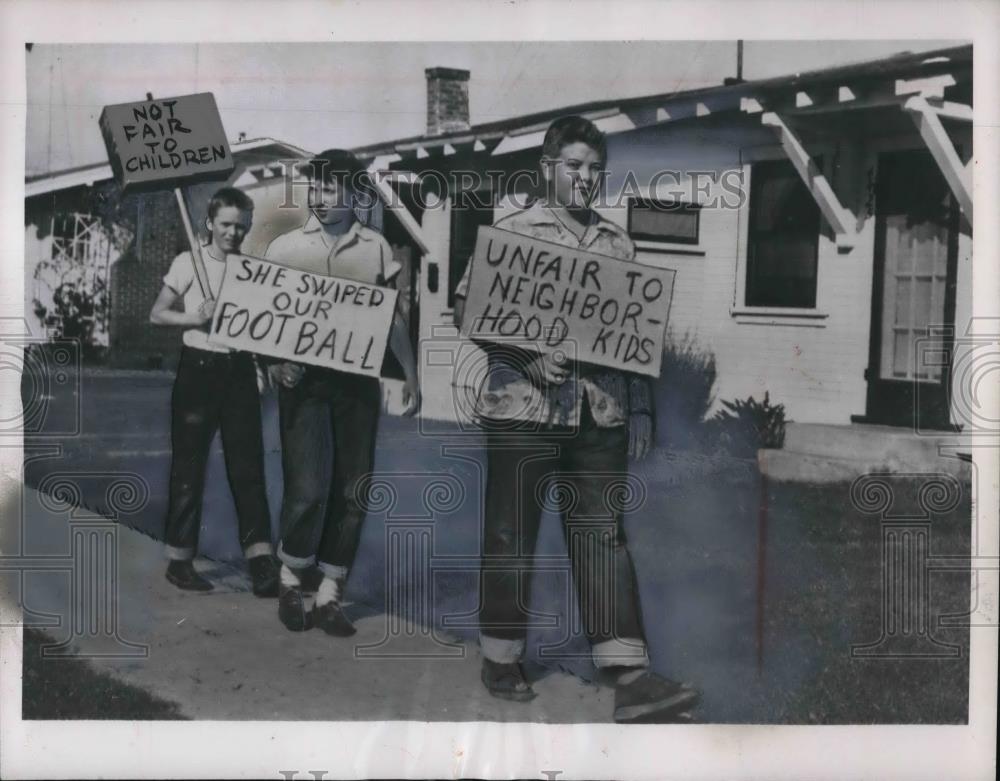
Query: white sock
[[329, 591], [288, 578]]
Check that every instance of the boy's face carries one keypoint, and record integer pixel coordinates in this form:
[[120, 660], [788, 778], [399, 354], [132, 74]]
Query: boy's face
[[229, 227], [331, 201], [574, 176]]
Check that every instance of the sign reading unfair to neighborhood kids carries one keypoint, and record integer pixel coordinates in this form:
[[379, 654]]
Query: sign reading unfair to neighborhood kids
[[307, 318], [160, 143], [611, 312]]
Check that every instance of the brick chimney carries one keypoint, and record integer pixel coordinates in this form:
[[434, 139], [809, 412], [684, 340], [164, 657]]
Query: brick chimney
[[447, 100]]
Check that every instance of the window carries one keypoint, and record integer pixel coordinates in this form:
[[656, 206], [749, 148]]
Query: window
[[783, 238], [667, 221]]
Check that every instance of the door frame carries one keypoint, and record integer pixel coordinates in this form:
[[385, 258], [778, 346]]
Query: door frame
[[906, 390]]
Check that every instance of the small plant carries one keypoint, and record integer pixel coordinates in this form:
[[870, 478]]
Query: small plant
[[747, 425]]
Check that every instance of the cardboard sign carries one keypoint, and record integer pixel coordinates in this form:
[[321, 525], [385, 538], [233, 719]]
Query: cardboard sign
[[303, 317], [558, 299], [165, 142]]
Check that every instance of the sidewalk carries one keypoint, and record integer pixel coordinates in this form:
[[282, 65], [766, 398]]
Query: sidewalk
[[225, 655]]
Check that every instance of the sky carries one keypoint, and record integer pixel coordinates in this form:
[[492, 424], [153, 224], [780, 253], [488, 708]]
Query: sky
[[321, 95]]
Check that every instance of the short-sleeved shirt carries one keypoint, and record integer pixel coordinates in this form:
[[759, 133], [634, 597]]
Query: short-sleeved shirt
[[508, 394], [360, 254], [181, 279]]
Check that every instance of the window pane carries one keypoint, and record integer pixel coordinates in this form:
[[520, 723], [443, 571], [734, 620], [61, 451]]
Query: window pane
[[659, 224], [902, 348], [921, 303], [783, 238], [902, 295]]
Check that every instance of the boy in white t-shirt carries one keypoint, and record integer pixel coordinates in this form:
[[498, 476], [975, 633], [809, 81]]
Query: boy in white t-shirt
[[215, 388]]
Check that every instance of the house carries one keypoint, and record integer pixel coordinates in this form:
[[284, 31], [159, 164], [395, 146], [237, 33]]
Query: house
[[111, 252], [819, 225]]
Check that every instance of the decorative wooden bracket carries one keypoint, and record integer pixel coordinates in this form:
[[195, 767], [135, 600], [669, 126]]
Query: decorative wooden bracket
[[378, 179], [928, 120], [839, 217]]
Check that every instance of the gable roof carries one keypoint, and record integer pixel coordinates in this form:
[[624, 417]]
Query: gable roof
[[614, 115]]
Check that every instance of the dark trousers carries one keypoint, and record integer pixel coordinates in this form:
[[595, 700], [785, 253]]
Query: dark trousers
[[584, 476], [213, 391], [328, 426]]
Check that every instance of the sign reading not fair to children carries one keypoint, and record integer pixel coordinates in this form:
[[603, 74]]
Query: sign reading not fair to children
[[163, 142], [307, 318], [612, 312]]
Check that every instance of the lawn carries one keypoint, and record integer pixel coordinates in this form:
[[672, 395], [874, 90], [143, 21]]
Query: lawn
[[840, 604], [72, 689]]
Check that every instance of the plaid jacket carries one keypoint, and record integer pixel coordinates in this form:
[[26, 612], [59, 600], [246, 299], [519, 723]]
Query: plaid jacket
[[507, 393]]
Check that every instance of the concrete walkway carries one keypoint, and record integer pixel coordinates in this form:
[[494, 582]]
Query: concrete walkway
[[225, 655]]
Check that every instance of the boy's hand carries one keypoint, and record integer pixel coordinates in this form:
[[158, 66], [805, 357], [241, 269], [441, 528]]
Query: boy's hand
[[411, 398], [287, 373], [640, 435], [547, 370], [205, 311]]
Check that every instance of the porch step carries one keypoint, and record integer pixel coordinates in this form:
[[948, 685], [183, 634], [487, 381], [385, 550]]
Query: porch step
[[826, 453]]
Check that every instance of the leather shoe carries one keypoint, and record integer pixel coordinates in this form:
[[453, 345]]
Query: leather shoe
[[506, 681], [183, 575], [265, 572], [331, 619], [651, 698], [292, 609]]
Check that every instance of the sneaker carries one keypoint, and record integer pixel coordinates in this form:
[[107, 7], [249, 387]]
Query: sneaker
[[292, 609], [506, 681], [183, 575], [265, 572], [652, 698]]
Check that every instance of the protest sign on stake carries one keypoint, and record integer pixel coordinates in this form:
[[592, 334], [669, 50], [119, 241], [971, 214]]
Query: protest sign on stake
[[613, 312], [275, 310], [162, 143]]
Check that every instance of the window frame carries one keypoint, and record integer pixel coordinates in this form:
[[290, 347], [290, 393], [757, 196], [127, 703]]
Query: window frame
[[755, 183], [685, 206], [814, 317]]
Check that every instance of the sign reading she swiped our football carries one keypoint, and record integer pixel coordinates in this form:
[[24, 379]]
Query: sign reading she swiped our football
[[298, 316]]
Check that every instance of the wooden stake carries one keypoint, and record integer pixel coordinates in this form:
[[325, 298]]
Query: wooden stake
[[196, 259]]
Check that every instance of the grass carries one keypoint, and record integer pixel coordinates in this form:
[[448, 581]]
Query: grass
[[75, 689], [839, 604], [822, 596]]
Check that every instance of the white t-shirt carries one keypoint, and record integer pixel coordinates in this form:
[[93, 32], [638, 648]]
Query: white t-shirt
[[181, 279]]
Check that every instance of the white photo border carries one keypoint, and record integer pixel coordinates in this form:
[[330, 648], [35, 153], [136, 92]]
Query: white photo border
[[88, 749]]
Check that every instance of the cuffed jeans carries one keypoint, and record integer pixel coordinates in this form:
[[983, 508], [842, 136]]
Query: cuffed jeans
[[328, 425], [583, 475], [212, 391]]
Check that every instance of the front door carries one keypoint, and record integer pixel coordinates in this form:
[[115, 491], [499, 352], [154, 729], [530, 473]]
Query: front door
[[916, 243]]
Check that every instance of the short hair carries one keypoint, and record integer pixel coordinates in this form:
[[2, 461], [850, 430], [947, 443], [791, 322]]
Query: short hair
[[229, 196], [336, 165], [571, 130]]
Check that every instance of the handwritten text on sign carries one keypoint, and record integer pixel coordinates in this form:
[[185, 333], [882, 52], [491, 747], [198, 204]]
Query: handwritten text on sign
[[166, 142], [614, 312], [307, 318]]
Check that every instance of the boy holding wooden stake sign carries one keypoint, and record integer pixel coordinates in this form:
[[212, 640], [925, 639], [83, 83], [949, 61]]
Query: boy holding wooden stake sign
[[560, 428], [216, 387], [328, 414]]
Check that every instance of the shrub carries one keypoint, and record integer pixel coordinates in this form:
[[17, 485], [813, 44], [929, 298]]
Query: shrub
[[684, 391], [747, 425]]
